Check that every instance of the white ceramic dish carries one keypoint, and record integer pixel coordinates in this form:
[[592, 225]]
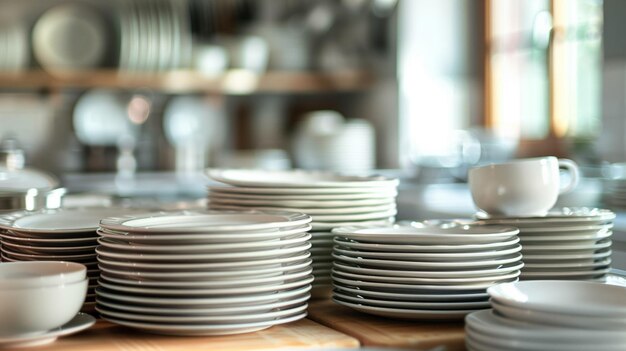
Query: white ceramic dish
[[500, 270], [79, 323], [320, 213], [432, 281], [448, 305], [433, 235], [412, 296], [48, 249], [296, 179], [468, 287], [299, 203], [567, 230], [301, 194], [583, 264], [48, 257], [559, 273], [399, 313], [551, 257], [325, 226], [424, 248], [325, 217], [25, 179], [416, 265], [46, 242], [429, 256], [40, 274], [562, 217]]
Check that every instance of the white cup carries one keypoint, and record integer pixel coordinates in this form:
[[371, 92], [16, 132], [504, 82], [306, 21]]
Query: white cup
[[521, 188]]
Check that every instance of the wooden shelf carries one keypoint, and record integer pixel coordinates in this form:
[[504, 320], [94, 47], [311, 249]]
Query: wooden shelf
[[234, 82]]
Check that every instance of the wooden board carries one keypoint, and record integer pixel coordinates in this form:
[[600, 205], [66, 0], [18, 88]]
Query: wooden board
[[108, 337], [377, 331]]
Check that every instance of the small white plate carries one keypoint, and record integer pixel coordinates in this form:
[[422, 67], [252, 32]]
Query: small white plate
[[425, 248], [262, 194], [319, 213], [563, 297], [206, 330], [433, 281], [51, 249], [414, 314], [384, 192], [438, 235], [79, 323], [584, 264], [556, 274], [187, 222], [223, 257], [499, 270], [323, 217], [415, 297], [48, 257], [299, 203], [551, 257], [567, 230], [297, 179], [557, 218], [412, 265], [286, 291], [595, 246], [469, 287], [574, 238], [47, 242], [447, 305], [280, 284], [430, 256]]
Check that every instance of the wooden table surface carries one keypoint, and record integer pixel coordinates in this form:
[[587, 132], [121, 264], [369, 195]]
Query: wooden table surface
[[377, 331], [303, 334]]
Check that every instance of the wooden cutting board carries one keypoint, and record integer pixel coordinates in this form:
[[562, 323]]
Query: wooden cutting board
[[377, 331], [108, 337]]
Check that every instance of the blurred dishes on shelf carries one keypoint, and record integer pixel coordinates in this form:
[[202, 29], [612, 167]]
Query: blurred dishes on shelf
[[31, 199], [248, 52], [431, 272], [266, 159], [24, 179], [70, 37], [204, 273], [14, 46], [210, 60]]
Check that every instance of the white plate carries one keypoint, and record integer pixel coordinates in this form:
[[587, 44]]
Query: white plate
[[469, 287], [325, 226], [469, 234], [65, 220], [190, 268], [209, 320], [406, 313], [594, 246], [197, 285], [262, 194], [79, 323], [297, 179], [434, 281], [207, 330], [278, 285], [415, 297], [299, 203], [412, 265], [48, 257], [564, 297], [566, 230], [425, 248], [582, 237], [208, 248], [448, 305], [315, 212], [557, 218], [52, 242], [223, 257], [212, 311], [44, 249], [199, 276], [499, 270], [384, 192], [568, 264], [195, 303], [430, 256], [530, 274], [551, 257], [204, 238], [187, 222], [323, 217]]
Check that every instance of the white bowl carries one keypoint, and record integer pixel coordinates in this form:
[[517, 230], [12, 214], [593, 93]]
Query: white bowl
[[36, 310], [33, 274]]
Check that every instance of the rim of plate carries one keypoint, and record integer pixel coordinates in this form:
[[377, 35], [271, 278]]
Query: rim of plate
[[283, 219], [570, 214], [437, 232], [505, 268], [304, 193], [427, 248]]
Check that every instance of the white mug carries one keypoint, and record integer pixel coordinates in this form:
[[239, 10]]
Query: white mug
[[521, 188]]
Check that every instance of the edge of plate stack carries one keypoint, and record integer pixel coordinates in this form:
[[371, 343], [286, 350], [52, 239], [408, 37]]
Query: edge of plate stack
[[423, 271], [331, 199], [204, 272], [566, 244]]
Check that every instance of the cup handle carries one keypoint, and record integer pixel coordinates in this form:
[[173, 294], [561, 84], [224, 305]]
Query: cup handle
[[572, 168]]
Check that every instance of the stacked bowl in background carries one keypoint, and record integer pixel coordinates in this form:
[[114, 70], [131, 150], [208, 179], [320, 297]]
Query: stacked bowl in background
[[56, 235], [332, 200], [422, 272], [567, 243], [204, 273]]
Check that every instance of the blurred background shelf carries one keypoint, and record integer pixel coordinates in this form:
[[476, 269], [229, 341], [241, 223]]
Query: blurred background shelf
[[232, 82]]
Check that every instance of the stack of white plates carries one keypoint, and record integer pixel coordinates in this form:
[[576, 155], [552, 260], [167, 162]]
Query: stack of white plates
[[432, 272], [615, 192], [14, 52], [550, 315], [332, 200], [204, 273], [56, 235], [567, 243], [155, 35]]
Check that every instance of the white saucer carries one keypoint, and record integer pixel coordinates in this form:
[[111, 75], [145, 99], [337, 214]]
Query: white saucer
[[406, 313], [81, 322], [430, 256]]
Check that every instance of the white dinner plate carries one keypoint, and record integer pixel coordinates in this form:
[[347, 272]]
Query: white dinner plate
[[429, 305], [594, 246], [287, 291], [583, 264], [543, 274], [392, 211], [300, 280], [224, 257], [469, 234], [208, 248], [582, 237], [79, 323], [204, 238], [412, 265], [469, 287], [205, 330], [413, 296], [557, 218], [325, 226], [563, 297], [297, 179], [210, 311], [47, 242], [415, 314], [552, 257], [262, 194], [567, 230], [433, 281], [187, 222], [499, 270], [425, 248], [429, 256], [384, 192], [320, 213], [299, 203], [44, 249], [48, 257]]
